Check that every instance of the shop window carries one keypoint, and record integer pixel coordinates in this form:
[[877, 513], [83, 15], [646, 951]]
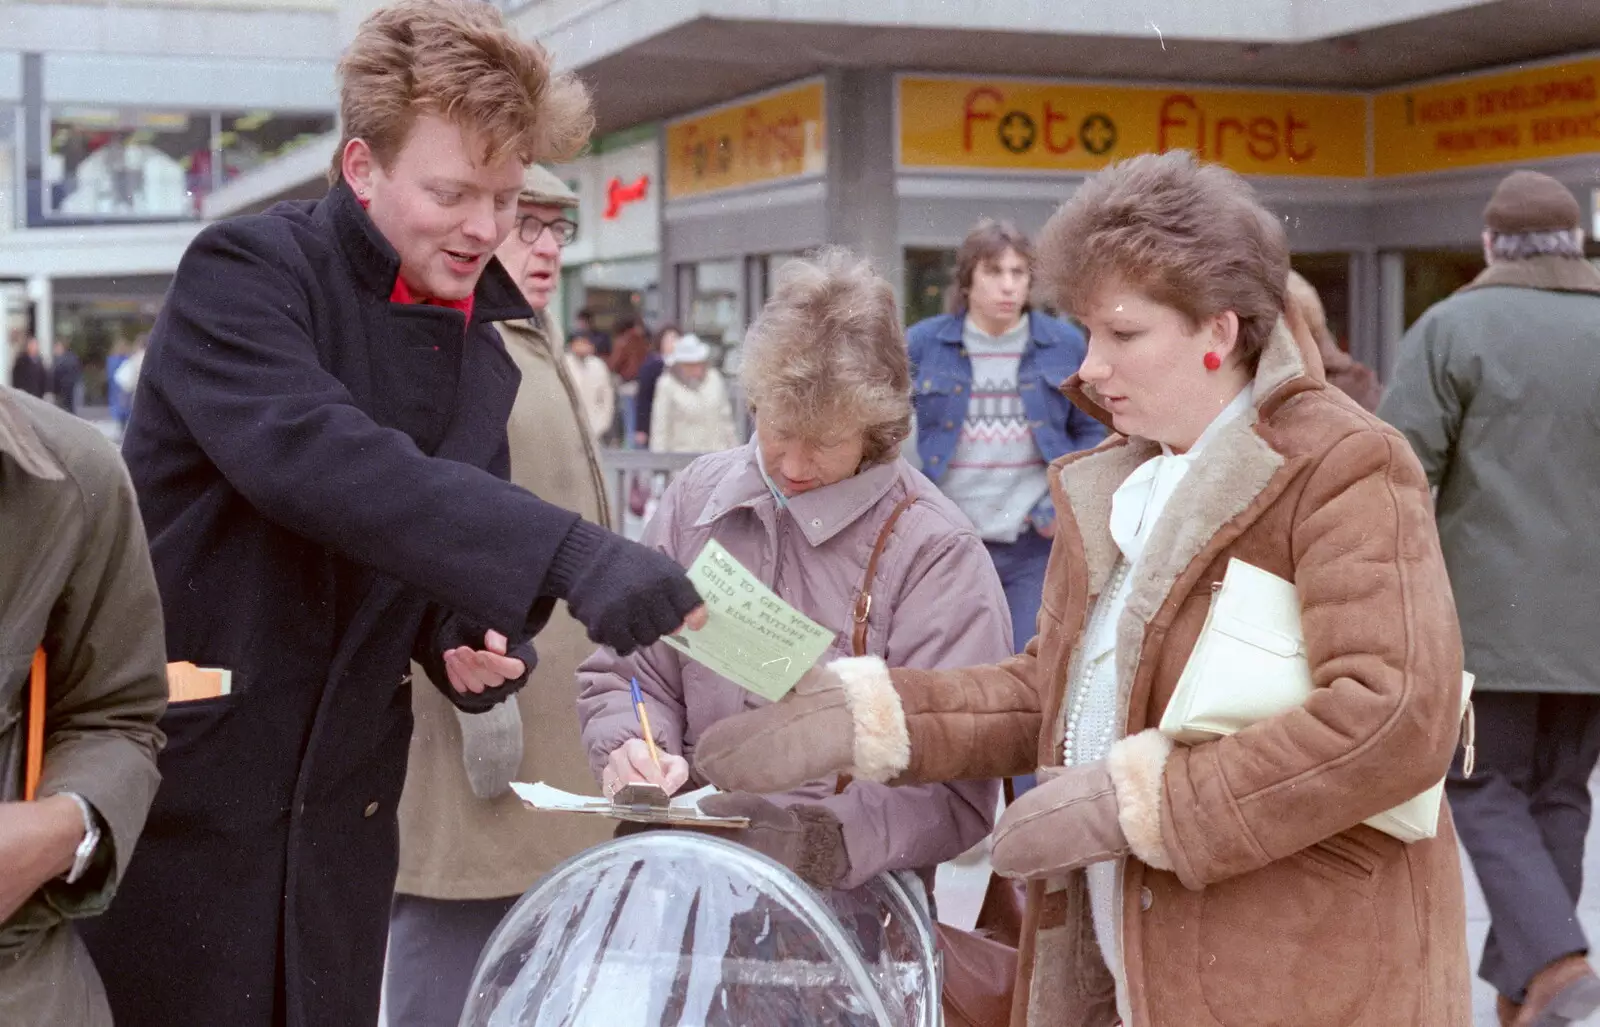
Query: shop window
[[1329, 274], [247, 141], [1432, 275], [716, 313], [765, 278], [616, 289], [109, 162], [929, 275]]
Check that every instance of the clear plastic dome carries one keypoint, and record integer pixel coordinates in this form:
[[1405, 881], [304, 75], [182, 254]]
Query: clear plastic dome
[[672, 929]]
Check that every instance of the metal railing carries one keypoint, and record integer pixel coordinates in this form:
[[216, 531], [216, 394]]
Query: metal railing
[[621, 467]]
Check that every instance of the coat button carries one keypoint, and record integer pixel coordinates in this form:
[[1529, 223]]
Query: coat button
[[927, 383], [933, 459], [1147, 899], [949, 425], [816, 522], [372, 808]]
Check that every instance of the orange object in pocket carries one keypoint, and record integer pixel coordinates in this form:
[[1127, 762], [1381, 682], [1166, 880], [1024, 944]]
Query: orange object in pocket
[[35, 737], [187, 683]]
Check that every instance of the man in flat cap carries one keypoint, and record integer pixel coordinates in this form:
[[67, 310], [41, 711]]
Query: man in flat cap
[[1498, 389], [467, 849]]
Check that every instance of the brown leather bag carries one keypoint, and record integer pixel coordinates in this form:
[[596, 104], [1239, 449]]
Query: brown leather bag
[[980, 965]]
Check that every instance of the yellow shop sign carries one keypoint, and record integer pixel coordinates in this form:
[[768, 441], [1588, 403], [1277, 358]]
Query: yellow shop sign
[[1492, 118], [762, 138], [1042, 125]]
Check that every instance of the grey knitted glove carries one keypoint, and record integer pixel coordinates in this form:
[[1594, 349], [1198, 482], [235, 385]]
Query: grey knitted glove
[[491, 748]]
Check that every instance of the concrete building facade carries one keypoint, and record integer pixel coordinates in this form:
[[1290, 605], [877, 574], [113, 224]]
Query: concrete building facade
[[1376, 130], [736, 133], [118, 120]]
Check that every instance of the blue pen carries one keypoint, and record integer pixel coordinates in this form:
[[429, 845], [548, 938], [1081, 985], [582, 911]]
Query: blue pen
[[644, 722]]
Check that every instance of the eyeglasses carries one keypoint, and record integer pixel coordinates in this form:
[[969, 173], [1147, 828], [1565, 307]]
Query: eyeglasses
[[529, 228]]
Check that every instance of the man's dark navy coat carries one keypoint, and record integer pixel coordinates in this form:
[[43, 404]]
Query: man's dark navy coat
[[321, 474]]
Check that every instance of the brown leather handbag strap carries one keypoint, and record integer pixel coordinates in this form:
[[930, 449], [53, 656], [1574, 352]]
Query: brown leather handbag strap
[[863, 608], [858, 638]]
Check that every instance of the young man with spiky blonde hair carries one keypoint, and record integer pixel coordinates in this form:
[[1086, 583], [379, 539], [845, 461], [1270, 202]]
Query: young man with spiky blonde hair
[[320, 455]]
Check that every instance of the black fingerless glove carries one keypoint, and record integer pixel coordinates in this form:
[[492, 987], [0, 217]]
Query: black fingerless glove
[[625, 594]]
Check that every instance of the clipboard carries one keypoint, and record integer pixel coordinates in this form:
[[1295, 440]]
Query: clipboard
[[637, 803]]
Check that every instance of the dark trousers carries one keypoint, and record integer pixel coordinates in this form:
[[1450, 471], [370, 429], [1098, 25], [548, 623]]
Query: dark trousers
[[1020, 565], [434, 946], [1523, 816]]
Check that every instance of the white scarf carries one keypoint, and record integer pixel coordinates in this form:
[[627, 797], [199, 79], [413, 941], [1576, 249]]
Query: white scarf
[[1138, 504]]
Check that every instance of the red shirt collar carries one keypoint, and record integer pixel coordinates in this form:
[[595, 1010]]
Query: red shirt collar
[[402, 294]]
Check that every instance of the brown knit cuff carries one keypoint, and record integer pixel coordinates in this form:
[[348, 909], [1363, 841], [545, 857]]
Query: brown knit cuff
[[823, 860]]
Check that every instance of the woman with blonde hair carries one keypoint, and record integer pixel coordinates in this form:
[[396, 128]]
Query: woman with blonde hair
[[821, 507], [1233, 881]]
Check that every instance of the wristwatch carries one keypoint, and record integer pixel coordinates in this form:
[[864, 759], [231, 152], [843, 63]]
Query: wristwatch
[[84, 854]]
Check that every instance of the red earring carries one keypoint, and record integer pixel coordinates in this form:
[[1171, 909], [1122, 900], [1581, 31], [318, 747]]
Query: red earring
[[1213, 362]]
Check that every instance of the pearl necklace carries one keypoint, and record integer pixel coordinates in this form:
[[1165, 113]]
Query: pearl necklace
[[1081, 682]]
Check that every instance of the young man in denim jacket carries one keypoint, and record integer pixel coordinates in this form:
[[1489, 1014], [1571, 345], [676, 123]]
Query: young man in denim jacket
[[986, 383]]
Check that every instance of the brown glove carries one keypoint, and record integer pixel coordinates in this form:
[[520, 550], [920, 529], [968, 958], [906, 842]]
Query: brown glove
[[809, 734], [807, 839], [1068, 821]]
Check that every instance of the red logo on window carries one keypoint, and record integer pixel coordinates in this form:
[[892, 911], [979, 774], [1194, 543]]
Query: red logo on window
[[619, 195]]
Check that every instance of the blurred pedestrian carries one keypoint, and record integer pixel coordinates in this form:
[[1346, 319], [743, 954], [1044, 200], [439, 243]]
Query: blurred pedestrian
[[1496, 388], [584, 325], [116, 399], [75, 579], [320, 447], [649, 376], [596, 391], [691, 411], [629, 351], [823, 507], [467, 849], [986, 380], [1232, 881], [66, 372], [630, 347], [128, 373], [28, 373]]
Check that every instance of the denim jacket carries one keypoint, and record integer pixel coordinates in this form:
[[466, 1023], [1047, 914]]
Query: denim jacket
[[941, 386]]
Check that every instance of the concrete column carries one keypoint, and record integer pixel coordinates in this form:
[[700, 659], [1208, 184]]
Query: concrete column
[[667, 275], [1363, 307], [1391, 308], [34, 143], [863, 212]]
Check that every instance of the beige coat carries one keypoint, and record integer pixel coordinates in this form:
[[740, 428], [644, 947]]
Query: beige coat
[[597, 395], [452, 844], [1255, 896], [686, 420]]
